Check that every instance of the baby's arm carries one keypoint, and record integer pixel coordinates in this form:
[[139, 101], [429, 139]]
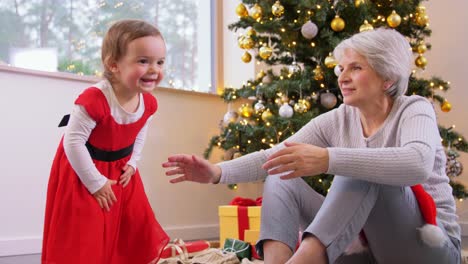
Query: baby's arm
[[130, 168], [139, 143], [77, 133]]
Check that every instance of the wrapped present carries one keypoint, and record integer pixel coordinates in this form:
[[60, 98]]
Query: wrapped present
[[190, 248], [251, 236], [240, 248], [243, 214]]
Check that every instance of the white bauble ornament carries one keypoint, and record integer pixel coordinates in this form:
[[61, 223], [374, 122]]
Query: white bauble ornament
[[314, 96], [309, 30], [267, 79], [230, 117], [337, 70], [286, 111], [259, 107], [328, 100]]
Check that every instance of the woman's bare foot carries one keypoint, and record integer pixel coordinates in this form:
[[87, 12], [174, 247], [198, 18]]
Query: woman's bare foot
[[311, 250], [276, 252]]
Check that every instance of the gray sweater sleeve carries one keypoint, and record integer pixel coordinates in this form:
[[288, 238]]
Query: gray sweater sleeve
[[408, 162], [248, 168]]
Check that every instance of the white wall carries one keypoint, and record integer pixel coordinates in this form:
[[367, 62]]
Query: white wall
[[448, 59]]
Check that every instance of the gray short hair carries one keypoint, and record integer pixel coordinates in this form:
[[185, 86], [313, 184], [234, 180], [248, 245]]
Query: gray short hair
[[388, 53]]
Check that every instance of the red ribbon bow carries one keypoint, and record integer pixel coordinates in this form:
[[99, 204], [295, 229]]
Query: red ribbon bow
[[246, 201], [242, 212]]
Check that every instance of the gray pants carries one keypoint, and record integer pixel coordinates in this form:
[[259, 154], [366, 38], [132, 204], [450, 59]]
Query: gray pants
[[388, 215]]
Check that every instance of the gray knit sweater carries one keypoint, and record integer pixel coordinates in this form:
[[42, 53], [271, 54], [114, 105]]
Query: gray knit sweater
[[406, 150]]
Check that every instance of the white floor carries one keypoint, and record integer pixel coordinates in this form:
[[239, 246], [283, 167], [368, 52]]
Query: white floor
[[23, 259]]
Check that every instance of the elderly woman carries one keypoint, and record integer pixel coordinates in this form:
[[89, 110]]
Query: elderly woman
[[378, 143]]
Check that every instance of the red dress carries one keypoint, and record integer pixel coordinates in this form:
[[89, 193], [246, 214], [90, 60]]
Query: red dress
[[76, 229]]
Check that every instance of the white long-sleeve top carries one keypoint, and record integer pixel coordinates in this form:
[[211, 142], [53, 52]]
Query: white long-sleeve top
[[80, 127], [405, 151]]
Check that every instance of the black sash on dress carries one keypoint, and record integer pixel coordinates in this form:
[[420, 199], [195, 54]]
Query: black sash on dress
[[103, 155], [99, 154]]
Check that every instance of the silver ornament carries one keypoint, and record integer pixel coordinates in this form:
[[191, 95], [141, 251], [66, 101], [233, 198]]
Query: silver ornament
[[328, 100], [294, 68], [309, 30], [230, 117], [259, 107], [453, 167], [286, 111]]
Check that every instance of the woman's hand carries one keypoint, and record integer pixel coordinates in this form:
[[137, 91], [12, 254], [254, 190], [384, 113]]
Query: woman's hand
[[299, 160], [127, 174], [191, 168], [105, 196]]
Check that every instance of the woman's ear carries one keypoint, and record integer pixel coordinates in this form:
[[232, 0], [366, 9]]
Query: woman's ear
[[387, 85]]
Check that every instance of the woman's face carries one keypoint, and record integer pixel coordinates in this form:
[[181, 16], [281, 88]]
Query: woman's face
[[359, 83]]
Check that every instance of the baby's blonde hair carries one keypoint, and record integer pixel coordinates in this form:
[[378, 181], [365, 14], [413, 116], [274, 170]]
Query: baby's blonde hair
[[119, 35]]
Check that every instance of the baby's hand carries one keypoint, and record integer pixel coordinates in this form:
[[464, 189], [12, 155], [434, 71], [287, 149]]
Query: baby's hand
[[105, 196], [127, 174]]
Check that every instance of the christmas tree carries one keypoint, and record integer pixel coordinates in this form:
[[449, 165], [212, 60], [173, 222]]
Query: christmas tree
[[294, 39]]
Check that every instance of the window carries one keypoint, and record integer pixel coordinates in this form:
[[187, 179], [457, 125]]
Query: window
[[66, 36]]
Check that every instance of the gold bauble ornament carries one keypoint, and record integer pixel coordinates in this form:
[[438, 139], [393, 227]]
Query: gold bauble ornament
[[250, 32], [330, 61], [245, 110], [421, 48], [357, 3], [421, 61], [265, 52], [318, 73], [267, 115], [337, 24], [241, 10], [277, 9], [261, 74], [246, 57], [256, 12], [300, 107], [248, 43], [446, 106], [365, 27], [394, 19], [422, 20], [420, 9], [240, 41], [305, 102]]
